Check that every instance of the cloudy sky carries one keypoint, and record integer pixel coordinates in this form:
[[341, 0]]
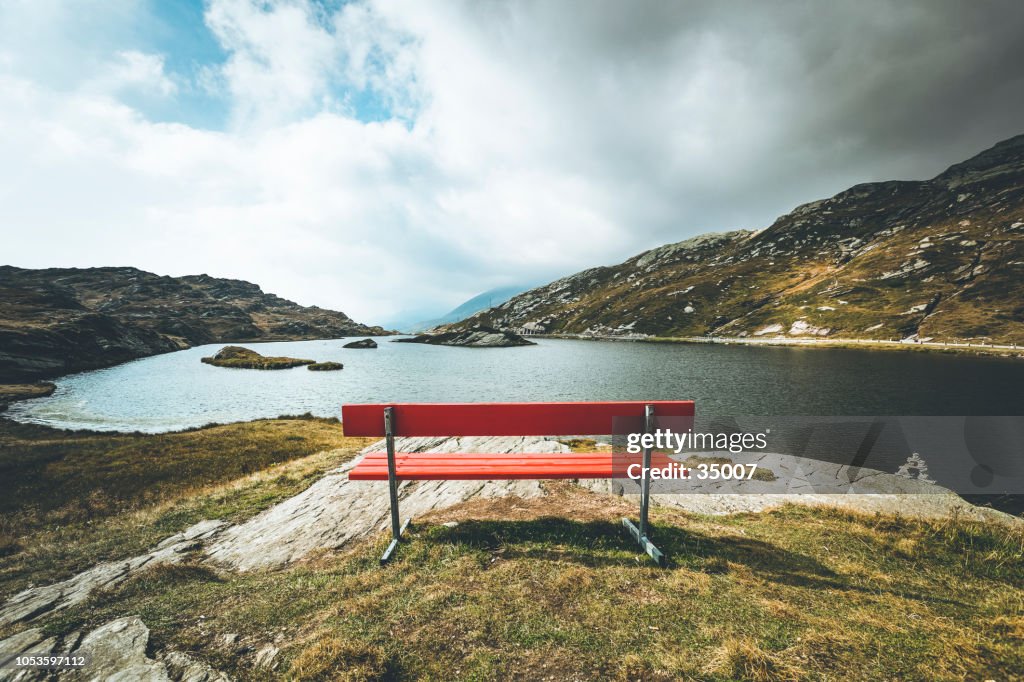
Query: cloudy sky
[[392, 159]]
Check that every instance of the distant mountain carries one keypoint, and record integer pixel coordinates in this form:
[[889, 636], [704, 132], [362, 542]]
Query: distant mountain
[[62, 320], [940, 258], [478, 303]]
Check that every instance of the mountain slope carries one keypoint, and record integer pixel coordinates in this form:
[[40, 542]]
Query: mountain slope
[[61, 320], [478, 303], [939, 258]]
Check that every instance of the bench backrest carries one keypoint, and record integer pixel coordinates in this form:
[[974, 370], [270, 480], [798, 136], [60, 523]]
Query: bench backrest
[[502, 419]]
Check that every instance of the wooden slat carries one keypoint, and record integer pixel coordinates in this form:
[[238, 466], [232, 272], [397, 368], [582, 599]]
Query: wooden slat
[[502, 419], [505, 466]]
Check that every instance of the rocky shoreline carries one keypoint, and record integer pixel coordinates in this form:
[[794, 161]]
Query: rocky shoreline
[[10, 393], [960, 348], [476, 337], [57, 321]]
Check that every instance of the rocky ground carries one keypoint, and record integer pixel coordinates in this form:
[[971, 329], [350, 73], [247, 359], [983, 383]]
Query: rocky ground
[[335, 512]]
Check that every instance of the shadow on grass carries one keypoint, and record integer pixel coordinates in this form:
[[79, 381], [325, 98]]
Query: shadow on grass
[[592, 543], [604, 543]]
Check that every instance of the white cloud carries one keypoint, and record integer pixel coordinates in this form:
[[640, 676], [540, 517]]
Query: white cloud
[[280, 61], [526, 140], [133, 70]]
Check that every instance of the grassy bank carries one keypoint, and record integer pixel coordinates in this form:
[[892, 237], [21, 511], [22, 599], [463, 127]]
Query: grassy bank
[[69, 499]]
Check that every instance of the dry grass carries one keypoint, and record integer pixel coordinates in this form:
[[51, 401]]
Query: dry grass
[[138, 489], [550, 588]]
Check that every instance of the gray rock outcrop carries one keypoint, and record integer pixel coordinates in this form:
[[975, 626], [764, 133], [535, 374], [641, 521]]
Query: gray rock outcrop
[[811, 482], [36, 601], [114, 652], [363, 343], [335, 510]]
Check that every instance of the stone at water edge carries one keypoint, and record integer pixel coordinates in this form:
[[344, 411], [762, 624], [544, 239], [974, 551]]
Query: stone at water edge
[[325, 367], [364, 343]]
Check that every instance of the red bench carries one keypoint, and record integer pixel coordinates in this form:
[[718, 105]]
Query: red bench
[[503, 419]]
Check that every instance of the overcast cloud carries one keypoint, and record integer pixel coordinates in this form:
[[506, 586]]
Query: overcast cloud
[[391, 159]]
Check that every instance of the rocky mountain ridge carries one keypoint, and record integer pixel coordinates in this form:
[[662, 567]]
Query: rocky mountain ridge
[[60, 320], [940, 258]]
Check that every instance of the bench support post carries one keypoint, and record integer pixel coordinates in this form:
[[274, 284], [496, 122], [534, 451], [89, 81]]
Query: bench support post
[[640, 534], [396, 528], [645, 484]]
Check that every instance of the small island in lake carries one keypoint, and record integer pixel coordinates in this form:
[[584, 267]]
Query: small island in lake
[[325, 366], [476, 337], [364, 343], [243, 358]]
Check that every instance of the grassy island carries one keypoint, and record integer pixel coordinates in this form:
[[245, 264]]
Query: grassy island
[[325, 366], [243, 358]]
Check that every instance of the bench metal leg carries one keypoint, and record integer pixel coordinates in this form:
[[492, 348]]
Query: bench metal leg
[[640, 534], [386, 556], [396, 530], [645, 544]]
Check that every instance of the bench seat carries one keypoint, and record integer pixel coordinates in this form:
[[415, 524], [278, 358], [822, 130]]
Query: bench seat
[[507, 420], [444, 466]]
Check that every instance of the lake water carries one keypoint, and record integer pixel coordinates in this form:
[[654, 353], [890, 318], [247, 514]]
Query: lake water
[[176, 390]]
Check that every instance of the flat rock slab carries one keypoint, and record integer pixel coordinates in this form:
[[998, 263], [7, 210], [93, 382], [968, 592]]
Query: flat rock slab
[[811, 482], [116, 651], [36, 601], [335, 510]]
